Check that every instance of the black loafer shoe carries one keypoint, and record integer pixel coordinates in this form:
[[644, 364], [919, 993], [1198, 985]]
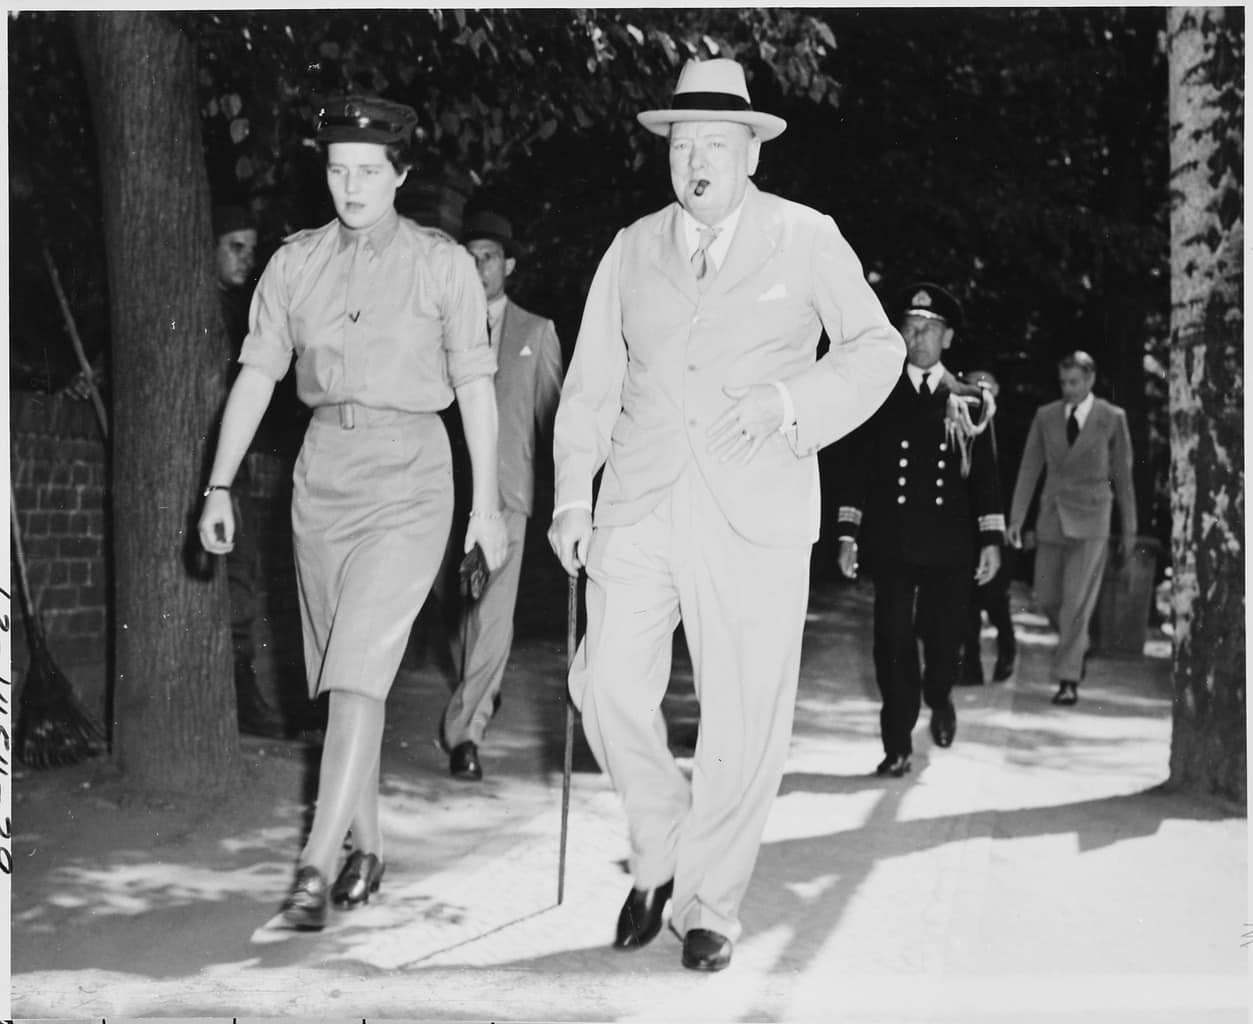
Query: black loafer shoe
[[1067, 693], [704, 950], [360, 877], [944, 725], [894, 765], [640, 918], [305, 906], [463, 762], [1002, 670]]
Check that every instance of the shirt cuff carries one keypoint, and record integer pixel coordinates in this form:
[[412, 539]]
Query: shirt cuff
[[586, 506], [789, 409]]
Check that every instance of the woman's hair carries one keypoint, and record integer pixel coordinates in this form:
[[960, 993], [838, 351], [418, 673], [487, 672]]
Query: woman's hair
[[399, 154]]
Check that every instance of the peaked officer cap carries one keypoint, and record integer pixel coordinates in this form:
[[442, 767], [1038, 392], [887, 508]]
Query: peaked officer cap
[[925, 299], [356, 118]]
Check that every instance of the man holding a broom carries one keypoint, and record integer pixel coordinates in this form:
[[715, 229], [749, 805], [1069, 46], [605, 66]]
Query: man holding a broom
[[695, 385]]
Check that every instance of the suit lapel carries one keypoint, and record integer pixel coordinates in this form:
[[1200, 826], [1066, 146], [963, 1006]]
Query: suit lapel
[[755, 242], [667, 255], [507, 351]]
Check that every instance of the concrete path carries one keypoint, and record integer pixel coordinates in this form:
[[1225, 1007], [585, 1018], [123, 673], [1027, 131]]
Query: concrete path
[[1032, 872]]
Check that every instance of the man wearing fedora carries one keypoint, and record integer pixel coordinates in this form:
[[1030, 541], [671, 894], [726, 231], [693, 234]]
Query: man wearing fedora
[[528, 384], [695, 385], [921, 496]]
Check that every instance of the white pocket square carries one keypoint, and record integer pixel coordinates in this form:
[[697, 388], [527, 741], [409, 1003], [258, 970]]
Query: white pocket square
[[526, 351], [779, 291]]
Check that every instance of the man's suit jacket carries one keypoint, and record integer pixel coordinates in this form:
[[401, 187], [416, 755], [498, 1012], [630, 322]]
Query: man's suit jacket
[[1081, 480], [905, 499], [528, 384], [655, 353]]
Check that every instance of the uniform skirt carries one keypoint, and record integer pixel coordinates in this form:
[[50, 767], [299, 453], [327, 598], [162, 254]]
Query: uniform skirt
[[371, 510]]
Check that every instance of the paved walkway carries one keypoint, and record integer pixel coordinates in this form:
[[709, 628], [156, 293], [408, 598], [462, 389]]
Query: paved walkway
[[1032, 872]]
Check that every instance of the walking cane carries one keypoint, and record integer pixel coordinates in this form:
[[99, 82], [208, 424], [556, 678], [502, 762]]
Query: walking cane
[[572, 621]]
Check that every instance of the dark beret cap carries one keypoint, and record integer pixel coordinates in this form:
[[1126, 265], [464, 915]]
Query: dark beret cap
[[229, 217], [922, 298], [356, 118]]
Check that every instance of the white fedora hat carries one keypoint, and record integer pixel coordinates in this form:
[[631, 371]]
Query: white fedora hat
[[712, 90]]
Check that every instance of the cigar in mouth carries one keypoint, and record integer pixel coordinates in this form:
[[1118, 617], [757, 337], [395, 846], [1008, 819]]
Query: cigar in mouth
[[701, 185]]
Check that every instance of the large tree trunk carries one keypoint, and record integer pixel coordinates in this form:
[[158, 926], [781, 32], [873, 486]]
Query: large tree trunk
[[1208, 752], [174, 718]]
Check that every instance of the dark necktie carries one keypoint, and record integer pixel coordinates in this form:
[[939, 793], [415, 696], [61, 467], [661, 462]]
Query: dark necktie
[[1072, 426], [924, 388]]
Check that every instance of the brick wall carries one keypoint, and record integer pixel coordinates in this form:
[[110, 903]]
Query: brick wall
[[60, 487], [60, 484]]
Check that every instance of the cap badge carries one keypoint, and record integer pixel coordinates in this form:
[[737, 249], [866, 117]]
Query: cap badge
[[922, 299]]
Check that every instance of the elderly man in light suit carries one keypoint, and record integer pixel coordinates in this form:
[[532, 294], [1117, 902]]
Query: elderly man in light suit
[[1083, 446], [695, 385]]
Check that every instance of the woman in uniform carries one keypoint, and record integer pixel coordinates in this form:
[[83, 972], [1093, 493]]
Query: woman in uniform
[[386, 321]]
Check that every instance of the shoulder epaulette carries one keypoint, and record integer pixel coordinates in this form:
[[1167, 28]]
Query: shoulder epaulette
[[296, 236], [436, 234]]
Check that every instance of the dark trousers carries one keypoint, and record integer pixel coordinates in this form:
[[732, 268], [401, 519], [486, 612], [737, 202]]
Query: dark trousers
[[913, 603], [242, 567], [992, 598]]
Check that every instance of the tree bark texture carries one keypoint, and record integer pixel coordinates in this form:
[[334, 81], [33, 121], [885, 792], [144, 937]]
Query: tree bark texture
[[1208, 750], [174, 728]]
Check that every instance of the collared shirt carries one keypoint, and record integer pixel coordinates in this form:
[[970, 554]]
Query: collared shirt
[[1081, 410], [935, 374], [495, 311], [391, 317], [717, 252]]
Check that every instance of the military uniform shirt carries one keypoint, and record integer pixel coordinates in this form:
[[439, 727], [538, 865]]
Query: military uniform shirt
[[390, 317]]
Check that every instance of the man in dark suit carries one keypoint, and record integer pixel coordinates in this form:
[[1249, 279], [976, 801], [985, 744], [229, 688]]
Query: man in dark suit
[[1083, 446], [528, 385], [921, 485]]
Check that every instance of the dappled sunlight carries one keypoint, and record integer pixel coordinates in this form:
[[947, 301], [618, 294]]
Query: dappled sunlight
[[128, 889]]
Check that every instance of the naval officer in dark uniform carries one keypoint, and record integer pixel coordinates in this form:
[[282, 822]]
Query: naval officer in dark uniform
[[921, 485]]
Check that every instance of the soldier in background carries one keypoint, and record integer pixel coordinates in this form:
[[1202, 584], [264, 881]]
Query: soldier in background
[[235, 259]]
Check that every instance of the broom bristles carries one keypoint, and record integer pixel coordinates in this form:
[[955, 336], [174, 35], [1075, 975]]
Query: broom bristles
[[53, 728]]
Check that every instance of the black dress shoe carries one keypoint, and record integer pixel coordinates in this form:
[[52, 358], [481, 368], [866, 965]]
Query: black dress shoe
[[1002, 670], [704, 950], [1067, 693], [944, 725], [463, 762], [305, 906], [894, 765], [640, 918], [360, 877]]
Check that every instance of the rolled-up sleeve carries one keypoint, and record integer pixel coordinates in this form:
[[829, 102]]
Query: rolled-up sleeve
[[467, 351], [269, 345]]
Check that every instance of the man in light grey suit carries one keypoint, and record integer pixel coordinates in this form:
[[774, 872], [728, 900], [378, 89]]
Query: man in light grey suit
[[695, 385], [1083, 446], [528, 384]]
